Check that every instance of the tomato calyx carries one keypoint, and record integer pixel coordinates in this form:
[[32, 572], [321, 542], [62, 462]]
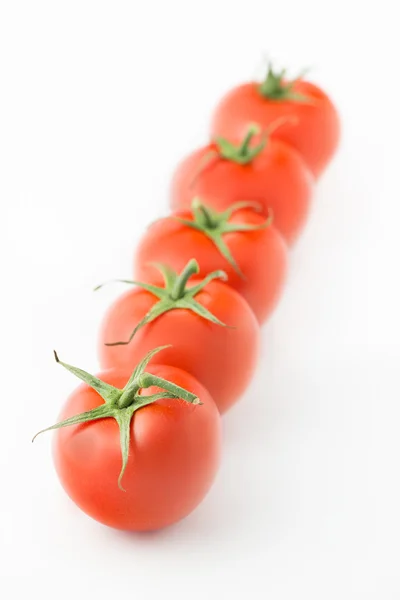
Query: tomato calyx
[[121, 404], [174, 295], [243, 153], [223, 149], [276, 87], [215, 225]]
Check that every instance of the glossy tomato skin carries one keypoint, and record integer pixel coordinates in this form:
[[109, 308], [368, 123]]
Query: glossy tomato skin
[[221, 358], [277, 178], [315, 135], [173, 457], [261, 256]]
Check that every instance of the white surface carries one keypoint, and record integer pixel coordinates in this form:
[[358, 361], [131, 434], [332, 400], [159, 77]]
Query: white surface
[[98, 102]]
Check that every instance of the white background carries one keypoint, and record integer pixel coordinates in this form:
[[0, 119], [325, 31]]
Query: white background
[[98, 101]]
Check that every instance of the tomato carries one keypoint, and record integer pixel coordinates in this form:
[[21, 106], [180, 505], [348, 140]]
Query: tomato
[[314, 133], [170, 448], [234, 240], [271, 173], [214, 335]]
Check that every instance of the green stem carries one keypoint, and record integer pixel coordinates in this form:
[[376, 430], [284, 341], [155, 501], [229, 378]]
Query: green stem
[[128, 395], [244, 147], [202, 215], [242, 154], [178, 290]]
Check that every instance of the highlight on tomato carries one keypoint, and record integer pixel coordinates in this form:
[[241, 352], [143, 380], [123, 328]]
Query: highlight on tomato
[[239, 240], [268, 171], [213, 332], [315, 131], [137, 450]]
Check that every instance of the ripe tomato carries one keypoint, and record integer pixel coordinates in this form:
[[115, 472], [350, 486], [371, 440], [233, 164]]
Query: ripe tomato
[[271, 173], [214, 336], [240, 241], [171, 448], [315, 134]]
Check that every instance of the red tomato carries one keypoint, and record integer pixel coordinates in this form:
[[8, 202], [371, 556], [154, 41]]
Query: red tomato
[[315, 134], [218, 245], [274, 175], [172, 451], [221, 358]]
